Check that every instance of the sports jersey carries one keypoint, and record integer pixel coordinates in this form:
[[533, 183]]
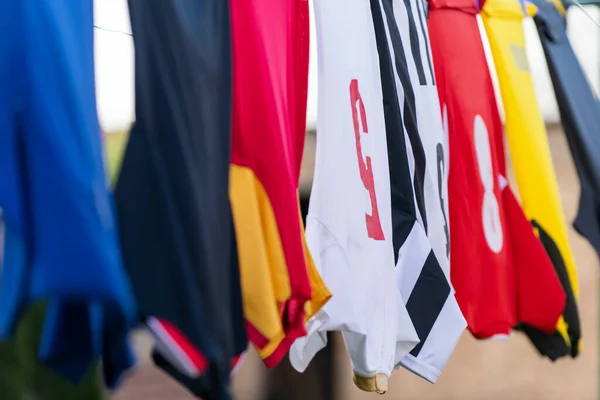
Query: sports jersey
[[532, 162], [60, 236], [349, 227], [270, 74], [500, 270], [172, 199], [580, 115], [417, 159], [168, 339]]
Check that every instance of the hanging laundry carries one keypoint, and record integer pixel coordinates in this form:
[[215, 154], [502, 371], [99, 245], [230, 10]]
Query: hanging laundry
[[60, 238], [172, 193], [280, 285], [500, 270], [417, 155], [349, 226], [579, 112], [530, 153]]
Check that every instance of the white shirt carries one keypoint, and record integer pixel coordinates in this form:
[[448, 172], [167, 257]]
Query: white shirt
[[348, 229]]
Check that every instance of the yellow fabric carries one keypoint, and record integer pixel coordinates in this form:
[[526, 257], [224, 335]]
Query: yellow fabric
[[320, 293], [525, 130], [272, 346], [531, 9], [263, 273]]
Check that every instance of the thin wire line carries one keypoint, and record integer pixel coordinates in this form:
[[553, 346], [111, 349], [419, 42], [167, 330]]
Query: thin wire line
[[112, 30], [580, 6]]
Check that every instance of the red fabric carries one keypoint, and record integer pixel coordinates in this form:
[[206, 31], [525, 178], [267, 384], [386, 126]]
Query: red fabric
[[467, 6], [270, 80], [174, 338], [497, 285], [292, 333], [300, 89], [284, 347]]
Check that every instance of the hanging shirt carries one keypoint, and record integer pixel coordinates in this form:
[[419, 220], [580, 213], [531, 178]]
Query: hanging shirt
[[500, 270], [417, 159], [349, 227], [280, 285], [532, 162], [172, 198], [579, 112], [60, 236]]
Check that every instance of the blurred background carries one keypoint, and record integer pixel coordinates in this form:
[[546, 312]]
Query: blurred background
[[478, 369]]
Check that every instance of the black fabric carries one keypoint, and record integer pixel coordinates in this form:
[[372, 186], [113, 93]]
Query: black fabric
[[172, 198], [395, 124], [432, 289], [404, 214], [416, 47], [580, 116], [427, 299], [553, 345]]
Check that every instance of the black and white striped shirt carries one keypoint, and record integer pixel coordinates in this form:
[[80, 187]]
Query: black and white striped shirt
[[417, 149]]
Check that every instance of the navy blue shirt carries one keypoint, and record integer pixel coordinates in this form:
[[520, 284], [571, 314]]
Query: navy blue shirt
[[172, 195]]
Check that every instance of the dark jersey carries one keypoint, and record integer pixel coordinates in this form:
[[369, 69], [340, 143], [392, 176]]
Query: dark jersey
[[500, 270], [579, 112], [172, 194], [417, 159]]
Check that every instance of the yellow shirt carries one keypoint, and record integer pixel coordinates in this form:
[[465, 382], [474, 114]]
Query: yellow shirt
[[526, 134]]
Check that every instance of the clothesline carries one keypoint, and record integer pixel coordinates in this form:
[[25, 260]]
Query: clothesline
[[113, 30]]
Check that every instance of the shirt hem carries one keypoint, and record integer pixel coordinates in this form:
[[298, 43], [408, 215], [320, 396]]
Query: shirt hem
[[424, 370]]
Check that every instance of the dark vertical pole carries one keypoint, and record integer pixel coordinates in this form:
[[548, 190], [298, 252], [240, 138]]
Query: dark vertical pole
[[318, 381]]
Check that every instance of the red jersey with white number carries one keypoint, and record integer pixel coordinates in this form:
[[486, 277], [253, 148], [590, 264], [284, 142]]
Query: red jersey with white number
[[500, 271], [349, 227]]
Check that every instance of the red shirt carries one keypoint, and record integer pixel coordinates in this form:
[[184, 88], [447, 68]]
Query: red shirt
[[270, 80], [499, 269]]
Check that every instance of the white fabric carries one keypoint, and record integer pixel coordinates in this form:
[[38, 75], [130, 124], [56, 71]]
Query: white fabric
[[449, 323], [359, 270]]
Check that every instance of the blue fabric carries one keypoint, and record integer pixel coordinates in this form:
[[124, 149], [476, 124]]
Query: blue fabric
[[61, 240]]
